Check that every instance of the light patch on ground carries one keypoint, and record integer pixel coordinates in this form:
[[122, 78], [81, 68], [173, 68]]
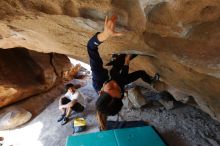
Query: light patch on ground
[[25, 136]]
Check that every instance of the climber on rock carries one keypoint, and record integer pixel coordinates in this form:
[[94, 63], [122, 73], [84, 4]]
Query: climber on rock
[[111, 89]]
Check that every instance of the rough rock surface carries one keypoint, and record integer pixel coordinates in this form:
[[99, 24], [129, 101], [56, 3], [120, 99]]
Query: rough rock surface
[[26, 73], [13, 118], [183, 35], [135, 97]]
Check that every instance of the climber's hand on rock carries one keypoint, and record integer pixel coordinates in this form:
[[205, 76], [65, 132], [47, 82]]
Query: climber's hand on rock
[[109, 29]]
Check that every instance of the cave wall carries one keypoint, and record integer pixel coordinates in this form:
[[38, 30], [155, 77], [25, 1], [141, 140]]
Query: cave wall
[[182, 34], [24, 73]]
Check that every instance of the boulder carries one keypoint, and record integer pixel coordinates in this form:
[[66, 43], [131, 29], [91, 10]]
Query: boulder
[[24, 73], [136, 98], [14, 118]]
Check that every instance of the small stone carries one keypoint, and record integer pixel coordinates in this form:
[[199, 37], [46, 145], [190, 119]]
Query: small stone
[[136, 98]]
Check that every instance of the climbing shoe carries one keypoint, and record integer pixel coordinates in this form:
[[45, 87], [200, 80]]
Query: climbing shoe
[[112, 60], [61, 118], [155, 78], [65, 120]]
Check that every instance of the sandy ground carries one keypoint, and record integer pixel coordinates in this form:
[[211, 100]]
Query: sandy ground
[[182, 126]]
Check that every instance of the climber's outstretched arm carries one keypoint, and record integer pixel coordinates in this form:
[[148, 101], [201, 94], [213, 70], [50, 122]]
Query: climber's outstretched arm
[[100, 74]]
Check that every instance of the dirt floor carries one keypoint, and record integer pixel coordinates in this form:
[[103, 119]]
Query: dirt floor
[[182, 126]]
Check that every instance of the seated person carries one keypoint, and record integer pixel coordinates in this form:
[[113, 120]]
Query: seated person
[[111, 90], [72, 100]]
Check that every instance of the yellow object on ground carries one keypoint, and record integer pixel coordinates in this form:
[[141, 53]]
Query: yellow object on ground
[[79, 122]]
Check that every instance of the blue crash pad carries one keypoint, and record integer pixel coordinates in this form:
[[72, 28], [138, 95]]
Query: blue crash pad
[[138, 136]]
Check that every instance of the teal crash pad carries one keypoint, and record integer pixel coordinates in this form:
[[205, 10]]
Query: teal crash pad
[[138, 136]]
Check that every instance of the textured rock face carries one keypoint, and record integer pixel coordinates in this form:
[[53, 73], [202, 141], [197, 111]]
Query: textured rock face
[[183, 35], [26, 73], [13, 118]]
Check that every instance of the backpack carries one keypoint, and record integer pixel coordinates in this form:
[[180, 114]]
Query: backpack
[[79, 125]]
